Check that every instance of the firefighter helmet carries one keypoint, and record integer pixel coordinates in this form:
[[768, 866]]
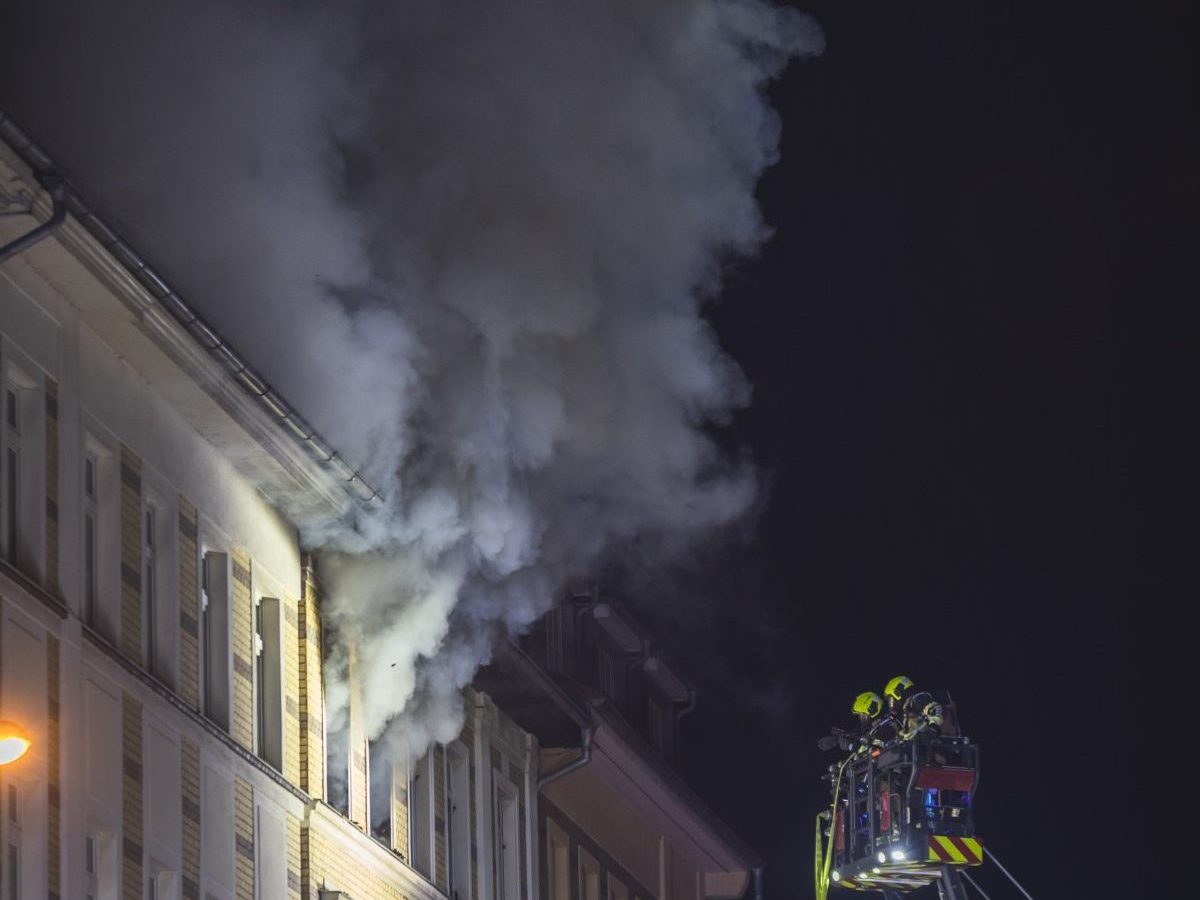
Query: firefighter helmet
[[868, 704], [897, 689]]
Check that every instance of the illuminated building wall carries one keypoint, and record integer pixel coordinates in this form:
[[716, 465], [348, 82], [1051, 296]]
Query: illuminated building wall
[[161, 641]]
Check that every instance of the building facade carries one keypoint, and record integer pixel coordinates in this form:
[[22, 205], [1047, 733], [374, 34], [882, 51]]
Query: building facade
[[161, 640]]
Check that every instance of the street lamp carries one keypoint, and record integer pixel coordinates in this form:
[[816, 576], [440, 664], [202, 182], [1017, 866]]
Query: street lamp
[[13, 742]]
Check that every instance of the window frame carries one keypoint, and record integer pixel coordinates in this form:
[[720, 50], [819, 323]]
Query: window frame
[[10, 471], [12, 884], [558, 861], [268, 685], [150, 585], [90, 505], [505, 818]]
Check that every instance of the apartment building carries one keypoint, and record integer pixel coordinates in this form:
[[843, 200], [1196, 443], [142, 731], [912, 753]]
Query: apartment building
[[161, 640], [615, 819]]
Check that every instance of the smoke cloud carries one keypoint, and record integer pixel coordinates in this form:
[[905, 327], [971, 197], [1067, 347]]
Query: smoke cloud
[[472, 242]]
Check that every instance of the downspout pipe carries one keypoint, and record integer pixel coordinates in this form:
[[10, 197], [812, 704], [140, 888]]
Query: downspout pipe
[[758, 890], [57, 188], [585, 757], [687, 709]]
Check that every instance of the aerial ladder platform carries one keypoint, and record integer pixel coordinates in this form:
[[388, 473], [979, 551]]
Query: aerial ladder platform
[[901, 815]]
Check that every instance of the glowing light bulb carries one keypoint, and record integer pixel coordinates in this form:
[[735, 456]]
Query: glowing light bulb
[[13, 742]]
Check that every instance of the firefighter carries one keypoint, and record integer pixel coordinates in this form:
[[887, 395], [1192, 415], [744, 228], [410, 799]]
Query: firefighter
[[867, 707], [920, 711], [896, 692], [888, 728]]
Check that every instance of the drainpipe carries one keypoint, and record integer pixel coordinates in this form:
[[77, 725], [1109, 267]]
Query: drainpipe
[[757, 870], [687, 709], [57, 189], [585, 757]]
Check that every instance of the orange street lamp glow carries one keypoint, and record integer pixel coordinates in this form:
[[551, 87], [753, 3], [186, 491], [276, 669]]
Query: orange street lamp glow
[[13, 742]]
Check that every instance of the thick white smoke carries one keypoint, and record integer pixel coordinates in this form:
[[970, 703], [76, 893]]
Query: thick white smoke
[[471, 241]]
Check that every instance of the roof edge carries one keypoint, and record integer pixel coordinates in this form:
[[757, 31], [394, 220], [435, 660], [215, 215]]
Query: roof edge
[[252, 384]]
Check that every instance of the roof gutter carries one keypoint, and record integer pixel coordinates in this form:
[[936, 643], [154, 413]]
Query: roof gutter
[[585, 757], [56, 187], [67, 199]]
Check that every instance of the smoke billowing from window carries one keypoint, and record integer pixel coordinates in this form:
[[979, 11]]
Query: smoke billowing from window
[[471, 241]]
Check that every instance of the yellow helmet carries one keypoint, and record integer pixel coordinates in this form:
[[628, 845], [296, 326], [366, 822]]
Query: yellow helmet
[[898, 687], [868, 704]]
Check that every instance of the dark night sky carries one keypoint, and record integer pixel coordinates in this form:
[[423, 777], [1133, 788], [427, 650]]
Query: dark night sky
[[961, 361]]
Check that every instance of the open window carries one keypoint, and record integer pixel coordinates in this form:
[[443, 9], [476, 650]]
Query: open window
[[214, 637], [508, 840], [150, 586], [100, 532], [420, 814], [458, 799], [268, 680]]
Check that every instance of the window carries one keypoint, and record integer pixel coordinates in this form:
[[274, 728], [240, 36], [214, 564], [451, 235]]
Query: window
[[100, 534], [335, 677], [10, 483], [508, 840], [420, 818], [268, 686], [12, 843], [91, 864], [589, 876], [559, 862], [654, 722], [150, 586], [100, 867], [607, 681], [91, 507], [458, 798], [214, 637], [161, 884], [554, 643], [381, 793], [616, 889]]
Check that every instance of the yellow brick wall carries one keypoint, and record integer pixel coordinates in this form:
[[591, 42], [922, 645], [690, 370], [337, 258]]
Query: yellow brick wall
[[312, 747], [131, 555], [294, 860], [189, 767], [291, 690], [241, 633], [328, 865], [52, 582], [440, 876], [53, 772], [131, 805], [243, 833], [189, 605]]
